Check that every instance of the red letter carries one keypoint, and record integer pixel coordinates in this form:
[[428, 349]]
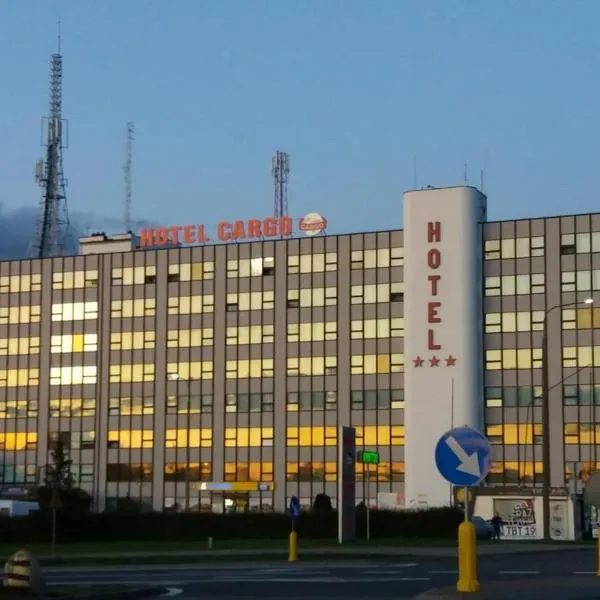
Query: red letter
[[254, 229], [434, 279], [431, 341], [175, 233], [201, 237], [162, 236], [434, 258], [285, 226], [239, 233], [224, 231], [270, 227], [188, 234], [434, 232], [432, 314], [146, 237]]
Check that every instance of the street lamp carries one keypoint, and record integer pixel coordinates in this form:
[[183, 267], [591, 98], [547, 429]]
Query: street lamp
[[546, 416]]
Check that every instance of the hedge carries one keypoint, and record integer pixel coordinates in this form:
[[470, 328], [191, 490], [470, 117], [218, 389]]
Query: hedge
[[114, 527]]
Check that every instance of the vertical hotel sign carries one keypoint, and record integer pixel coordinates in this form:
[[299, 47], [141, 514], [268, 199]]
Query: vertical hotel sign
[[347, 485]]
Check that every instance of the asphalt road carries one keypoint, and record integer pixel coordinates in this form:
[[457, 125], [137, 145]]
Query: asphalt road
[[374, 579]]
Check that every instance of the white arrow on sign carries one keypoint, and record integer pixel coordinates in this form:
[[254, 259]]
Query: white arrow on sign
[[468, 463]]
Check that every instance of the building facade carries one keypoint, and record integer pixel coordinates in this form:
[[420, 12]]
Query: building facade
[[168, 372]]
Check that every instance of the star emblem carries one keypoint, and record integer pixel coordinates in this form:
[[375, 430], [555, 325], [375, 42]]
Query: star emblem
[[450, 361], [418, 361], [434, 362]]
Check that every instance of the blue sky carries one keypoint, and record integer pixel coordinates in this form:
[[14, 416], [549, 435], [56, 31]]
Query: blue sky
[[352, 90]]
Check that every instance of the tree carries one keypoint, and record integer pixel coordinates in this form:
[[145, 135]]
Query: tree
[[58, 473], [322, 503]]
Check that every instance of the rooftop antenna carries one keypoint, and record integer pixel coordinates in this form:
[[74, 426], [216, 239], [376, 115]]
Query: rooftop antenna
[[127, 167], [466, 173], [281, 173], [414, 157], [52, 234], [482, 181]]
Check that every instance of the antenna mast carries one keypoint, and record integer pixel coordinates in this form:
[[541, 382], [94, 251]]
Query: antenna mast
[[127, 169], [281, 172], [52, 232]]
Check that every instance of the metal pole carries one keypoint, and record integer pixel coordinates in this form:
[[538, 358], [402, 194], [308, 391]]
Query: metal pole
[[53, 531], [545, 432], [467, 517], [367, 503]]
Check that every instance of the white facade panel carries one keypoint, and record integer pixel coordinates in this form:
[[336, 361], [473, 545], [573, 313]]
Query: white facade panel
[[443, 344]]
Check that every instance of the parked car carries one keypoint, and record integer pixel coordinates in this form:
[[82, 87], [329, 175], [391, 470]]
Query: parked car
[[483, 528]]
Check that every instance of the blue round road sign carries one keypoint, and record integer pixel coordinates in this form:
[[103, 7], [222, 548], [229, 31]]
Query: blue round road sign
[[294, 508], [463, 456]]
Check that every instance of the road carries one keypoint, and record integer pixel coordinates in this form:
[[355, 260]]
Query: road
[[375, 579]]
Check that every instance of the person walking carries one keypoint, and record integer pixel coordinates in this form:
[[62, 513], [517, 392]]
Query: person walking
[[496, 526]]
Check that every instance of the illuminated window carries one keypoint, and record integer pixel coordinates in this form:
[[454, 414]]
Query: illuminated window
[[253, 334], [376, 363], [312, 263], [16, 346], [300, 401], [250, 301], [80, 342], [372, 293], [18, 441], [72, 375], [242, 369], [525, 358], [311, 332], [312, 297], [581, 356], [191, 272], [189, 338], [248, 437], [18, 409], [510, 322], [132, 340], [377, 328], [190, 370], [251, 267], [74, 280], [248, 471], [21, 283], [134, 275], [72, 407], [19, 377], [186, 305], [136, 438], [581, 318], [188, 438], [582, 433], [312, 365], [77, 311], [131, 406], [512, 434], [135, 372], [142, 307], [381, 435], [19, 314]]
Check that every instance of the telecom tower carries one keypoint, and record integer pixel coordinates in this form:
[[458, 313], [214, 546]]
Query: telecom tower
[[52, 232], [281, 172], [127, 168]]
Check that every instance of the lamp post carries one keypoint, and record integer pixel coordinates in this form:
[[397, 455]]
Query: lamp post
[[546, 416]]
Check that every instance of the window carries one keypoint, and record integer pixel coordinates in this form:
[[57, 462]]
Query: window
[[142, 307], [509, 285], [77, 311], [131, 373], [132, 340], [131, 406], [74, 280], [525, 358], [254, 334], [492, 249], [134, 275], [18, 441], [188, 438], [189, 338], [140, 438], [190, 370], [17, 346], [189, 404], [73, 407], [371, 259], [244, 403], [21, 283], [311, 332], [191, 272], [19, 314], [311, 401], [248, 437], [581, 318], [312, 365], [580, 281], [81, 342], [377, 399], [250, 267], [514, 248], [18, 409], [186, 305], [312, 263], [510, 322], [312, 436], [243, 369], [72, 375], [312, 297], [496, 397], [512, 434], [250, 301], [581, 356], [371, 293], [376, 363], [377, 328], [580, 243]]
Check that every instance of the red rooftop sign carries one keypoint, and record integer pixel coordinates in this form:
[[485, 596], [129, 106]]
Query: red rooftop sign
[[252, 229]]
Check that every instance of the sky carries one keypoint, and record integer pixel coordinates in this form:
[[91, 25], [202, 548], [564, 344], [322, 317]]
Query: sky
[[369, 98]]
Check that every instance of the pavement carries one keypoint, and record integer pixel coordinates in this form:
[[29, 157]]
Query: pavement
[[559, 575]]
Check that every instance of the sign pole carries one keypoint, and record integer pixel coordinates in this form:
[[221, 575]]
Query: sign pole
[[294, 514], [368, 502]]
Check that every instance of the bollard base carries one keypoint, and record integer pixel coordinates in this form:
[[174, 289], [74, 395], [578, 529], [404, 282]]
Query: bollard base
[[293, 551], [468, 585], [467, 558]]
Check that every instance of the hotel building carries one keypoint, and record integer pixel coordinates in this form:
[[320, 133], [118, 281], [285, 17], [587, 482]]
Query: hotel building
[[167, 372]]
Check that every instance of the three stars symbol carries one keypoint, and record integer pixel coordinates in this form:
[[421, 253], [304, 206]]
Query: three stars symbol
[[434, 361]]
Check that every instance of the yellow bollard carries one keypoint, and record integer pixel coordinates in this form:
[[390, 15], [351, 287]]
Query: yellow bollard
[[467, 558], [293, 554]]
